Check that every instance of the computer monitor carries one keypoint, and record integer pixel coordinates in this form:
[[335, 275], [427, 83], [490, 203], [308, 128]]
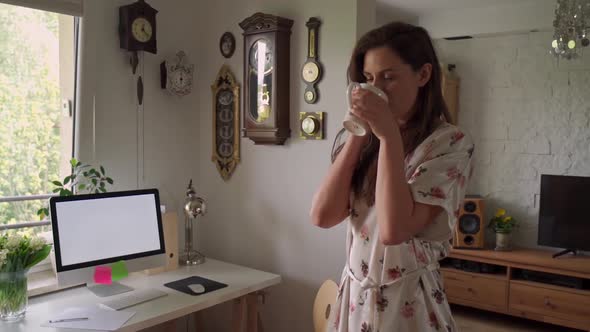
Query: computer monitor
[[98, 229]]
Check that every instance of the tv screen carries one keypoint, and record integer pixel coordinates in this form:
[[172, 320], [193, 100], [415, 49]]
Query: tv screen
[[564, 221]]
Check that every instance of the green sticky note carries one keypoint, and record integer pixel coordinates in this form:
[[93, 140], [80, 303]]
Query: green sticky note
[[119, 270]]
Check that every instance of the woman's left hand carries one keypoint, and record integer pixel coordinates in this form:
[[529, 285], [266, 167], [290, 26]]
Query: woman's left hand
[[375, 111]]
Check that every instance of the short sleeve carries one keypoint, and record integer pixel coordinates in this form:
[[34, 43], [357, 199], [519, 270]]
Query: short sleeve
[[440, 178]]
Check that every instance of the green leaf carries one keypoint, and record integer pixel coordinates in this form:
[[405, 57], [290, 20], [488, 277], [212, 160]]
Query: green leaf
[[42, 213], [67, 179], [94, 181], [38, 256], [57, 183], [104, 190], [102, 170], [82, 187], [73, 162], [56, 190], [110, 181], [92, 171], [85, 174], [65, 192]]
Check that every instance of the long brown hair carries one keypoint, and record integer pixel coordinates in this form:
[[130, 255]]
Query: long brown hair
[[414, 46]]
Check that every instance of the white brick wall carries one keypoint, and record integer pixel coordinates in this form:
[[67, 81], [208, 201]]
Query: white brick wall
[[528, 114]]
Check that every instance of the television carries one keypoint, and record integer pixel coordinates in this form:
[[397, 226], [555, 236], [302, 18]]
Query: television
[[564, 221], [99, 229]]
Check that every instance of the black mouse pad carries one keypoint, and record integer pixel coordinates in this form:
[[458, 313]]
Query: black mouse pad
[[182, 285]]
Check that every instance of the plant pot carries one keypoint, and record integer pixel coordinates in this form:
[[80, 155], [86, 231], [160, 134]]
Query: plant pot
[[13, 295], [503, 242]]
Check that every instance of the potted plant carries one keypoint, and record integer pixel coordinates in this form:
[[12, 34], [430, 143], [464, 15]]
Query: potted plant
[[84, 179], [17, 255], [503, 225]]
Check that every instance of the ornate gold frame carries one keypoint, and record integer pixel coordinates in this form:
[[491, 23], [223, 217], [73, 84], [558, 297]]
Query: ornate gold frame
[[225, 80]]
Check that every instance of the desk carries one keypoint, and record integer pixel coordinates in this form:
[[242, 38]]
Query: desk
[[242, 283]]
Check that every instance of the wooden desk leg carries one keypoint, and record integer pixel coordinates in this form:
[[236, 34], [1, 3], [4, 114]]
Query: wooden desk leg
[[239, 314], [197, 319], [252, 303], [260, 328]]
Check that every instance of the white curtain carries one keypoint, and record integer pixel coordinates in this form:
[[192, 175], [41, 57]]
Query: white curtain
[[68, 7]]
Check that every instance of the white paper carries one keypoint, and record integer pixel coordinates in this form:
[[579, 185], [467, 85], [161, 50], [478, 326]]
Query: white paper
[[98, 319]]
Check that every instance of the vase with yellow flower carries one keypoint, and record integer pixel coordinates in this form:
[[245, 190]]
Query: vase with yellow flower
[[503, 225]]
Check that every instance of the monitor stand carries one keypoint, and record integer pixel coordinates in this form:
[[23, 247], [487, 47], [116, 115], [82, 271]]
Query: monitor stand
[[566, 251], [102, 290]]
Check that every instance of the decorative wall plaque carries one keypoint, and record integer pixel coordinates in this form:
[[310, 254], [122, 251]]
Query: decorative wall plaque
[[226, 122]]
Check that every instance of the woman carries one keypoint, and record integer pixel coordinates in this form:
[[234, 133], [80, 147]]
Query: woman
[[400, 188]]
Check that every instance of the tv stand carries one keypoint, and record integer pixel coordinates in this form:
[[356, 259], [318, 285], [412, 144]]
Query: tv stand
[[566, 251], [525, 283]]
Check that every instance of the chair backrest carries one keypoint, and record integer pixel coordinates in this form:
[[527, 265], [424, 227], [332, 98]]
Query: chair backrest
[[323, 305]]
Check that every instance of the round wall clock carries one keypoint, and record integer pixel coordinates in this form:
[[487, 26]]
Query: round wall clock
[[227, 44]]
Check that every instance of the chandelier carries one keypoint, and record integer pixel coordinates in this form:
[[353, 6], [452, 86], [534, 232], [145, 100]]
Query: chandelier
[[572, 26]]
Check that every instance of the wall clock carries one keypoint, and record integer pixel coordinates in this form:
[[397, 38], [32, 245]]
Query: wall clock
[[137, 32], [311, 125], [311, 72], [227, 44], [266, 78], [226, 126], [176, 76]]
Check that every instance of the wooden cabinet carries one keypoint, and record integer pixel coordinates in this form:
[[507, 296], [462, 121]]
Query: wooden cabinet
[[509, 288], [486, 292]]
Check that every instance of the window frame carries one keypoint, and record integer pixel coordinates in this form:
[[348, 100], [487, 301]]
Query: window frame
[[7, 199]]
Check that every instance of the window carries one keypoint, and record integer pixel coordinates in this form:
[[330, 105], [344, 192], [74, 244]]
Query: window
[[38, 55]]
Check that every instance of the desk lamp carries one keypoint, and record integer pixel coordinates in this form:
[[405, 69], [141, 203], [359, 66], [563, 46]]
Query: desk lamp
[[193, 207]]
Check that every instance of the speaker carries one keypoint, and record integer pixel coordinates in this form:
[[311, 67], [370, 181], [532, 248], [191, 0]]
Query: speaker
[[469, 229], [170, 228]]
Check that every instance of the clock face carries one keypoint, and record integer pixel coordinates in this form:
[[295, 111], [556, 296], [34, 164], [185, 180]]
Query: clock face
[[141, 29], [310, 72], [226, 97], [309, 96], [309, 125], [260, 56], [179, 79]]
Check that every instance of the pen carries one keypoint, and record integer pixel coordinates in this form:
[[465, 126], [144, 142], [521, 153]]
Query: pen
[[68, 320]]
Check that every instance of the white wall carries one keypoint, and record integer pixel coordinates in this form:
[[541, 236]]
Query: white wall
[[528, 114], [260, 217], [171, 147], [522, 16]]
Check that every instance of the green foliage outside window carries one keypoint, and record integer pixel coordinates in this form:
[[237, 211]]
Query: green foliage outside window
[[29, 108]]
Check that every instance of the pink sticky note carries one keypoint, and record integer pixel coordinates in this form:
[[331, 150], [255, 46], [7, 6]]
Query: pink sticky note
[[102, 275]]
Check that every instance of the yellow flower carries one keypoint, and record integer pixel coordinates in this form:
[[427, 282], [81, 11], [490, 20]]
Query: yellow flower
[[507, 219], [500, 212]]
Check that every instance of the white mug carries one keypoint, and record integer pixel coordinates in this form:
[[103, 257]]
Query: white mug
[[351, 122]]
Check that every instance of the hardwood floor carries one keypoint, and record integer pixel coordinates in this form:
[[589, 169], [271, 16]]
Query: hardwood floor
[[474, 320]]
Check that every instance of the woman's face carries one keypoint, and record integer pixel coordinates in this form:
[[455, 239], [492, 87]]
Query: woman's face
[[384, 69]]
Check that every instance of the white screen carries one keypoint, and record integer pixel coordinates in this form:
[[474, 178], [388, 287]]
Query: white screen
[[102, 228]]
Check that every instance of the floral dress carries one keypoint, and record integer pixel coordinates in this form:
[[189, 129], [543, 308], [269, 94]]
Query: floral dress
[[399, 288]]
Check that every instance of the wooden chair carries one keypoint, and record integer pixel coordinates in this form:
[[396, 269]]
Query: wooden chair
[[323, 304]]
